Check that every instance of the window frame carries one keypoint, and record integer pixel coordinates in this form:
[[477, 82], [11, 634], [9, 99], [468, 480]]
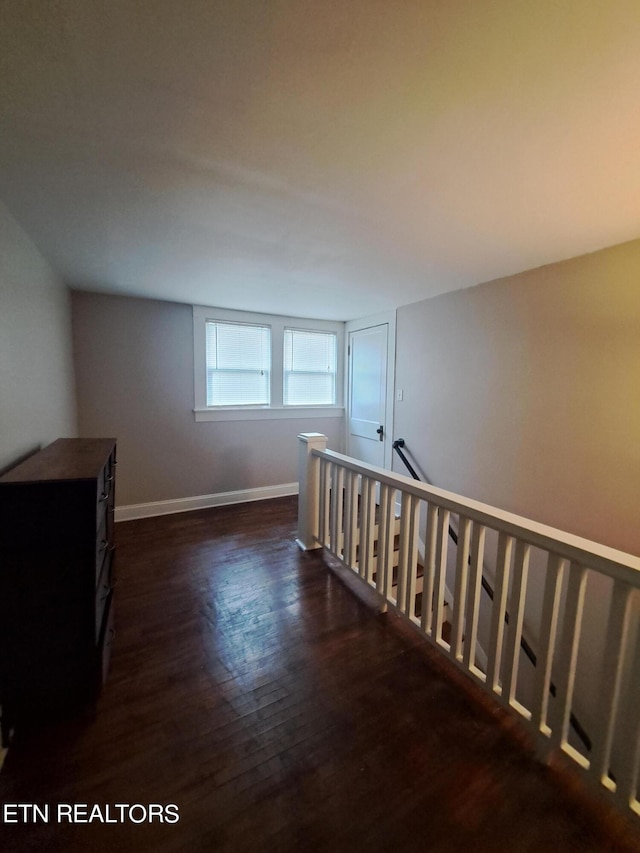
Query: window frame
[[285, 372], [276, 409], [235, 324]]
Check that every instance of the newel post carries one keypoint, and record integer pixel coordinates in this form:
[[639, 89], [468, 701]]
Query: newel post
[[308, 487]]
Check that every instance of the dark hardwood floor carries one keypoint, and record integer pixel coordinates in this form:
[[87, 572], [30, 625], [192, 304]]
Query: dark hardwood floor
[[250, 687]]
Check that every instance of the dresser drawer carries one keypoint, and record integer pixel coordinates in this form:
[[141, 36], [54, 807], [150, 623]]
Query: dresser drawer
[[103, 495], [106, 641], [103, 593], [104, 546]]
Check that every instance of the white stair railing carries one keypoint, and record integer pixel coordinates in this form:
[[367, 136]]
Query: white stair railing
[[349, 508]]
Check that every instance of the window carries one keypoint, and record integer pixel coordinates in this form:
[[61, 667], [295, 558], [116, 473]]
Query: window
[[238, 357], [309, 368], [252, 366]]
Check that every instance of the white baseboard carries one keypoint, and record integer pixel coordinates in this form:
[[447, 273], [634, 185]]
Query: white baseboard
[[148, 510]]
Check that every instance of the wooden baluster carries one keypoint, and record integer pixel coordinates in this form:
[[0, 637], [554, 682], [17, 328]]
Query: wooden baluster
[[459, 599], [331, 492], [327, 502], [430, 542], [346, 513], [516, 616], [350, 518], [503, 564], [386, 537], [548, 631], [473, 598], [323, 503], [383, 534], [337, 505], [440, 578], [628, 729], [367, 533], [614, 662], [572, 622], [403, 557], [408, 558]]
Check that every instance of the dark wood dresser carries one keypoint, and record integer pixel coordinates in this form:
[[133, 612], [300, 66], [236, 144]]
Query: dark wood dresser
[[56, 578]]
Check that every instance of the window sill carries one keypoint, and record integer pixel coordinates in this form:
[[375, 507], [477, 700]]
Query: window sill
[[268, 414]]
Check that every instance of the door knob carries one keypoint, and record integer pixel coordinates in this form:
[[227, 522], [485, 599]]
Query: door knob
[[380, 432]]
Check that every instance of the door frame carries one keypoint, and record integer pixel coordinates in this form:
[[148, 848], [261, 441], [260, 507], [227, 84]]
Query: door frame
[[388, 317]]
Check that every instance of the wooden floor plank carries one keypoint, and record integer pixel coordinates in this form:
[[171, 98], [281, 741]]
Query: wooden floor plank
[[250, 687]]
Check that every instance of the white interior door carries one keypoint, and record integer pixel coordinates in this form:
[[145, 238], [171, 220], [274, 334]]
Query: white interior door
[[370, 377]]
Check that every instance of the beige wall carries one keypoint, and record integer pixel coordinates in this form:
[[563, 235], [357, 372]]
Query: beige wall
[[525, 393], [134, 368], [37, 398]]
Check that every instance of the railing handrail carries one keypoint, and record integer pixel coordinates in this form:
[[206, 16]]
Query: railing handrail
[[577, 726], [609, 561], [346, 506], [397, 445]]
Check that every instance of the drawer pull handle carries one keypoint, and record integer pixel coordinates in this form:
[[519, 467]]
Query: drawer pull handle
[[104, 496], [109, 479]]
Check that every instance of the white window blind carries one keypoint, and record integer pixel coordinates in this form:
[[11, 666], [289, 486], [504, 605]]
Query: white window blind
[[238, 359], [310, 360]]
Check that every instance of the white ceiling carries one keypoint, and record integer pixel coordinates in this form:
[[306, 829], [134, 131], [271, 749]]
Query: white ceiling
[[332, 158]]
